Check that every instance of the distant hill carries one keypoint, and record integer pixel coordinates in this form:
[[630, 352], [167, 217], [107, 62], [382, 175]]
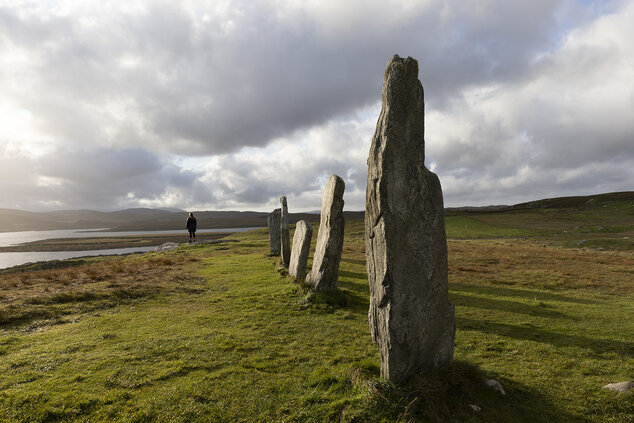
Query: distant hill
[[124, 220], [576, 202], [161, 219], [587, 201], [475, 208], [139, 219]]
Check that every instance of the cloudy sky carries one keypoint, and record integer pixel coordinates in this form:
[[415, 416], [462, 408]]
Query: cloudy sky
[[230, 104]]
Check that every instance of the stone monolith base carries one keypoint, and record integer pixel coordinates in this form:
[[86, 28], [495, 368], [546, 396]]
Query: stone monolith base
[[274, 223], [411, 319], [324, 274], [300, 249], [285, 237]]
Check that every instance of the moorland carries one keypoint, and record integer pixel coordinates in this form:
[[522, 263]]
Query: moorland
[[544, 299]]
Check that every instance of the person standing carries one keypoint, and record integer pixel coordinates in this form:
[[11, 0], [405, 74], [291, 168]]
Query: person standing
[[191, 227]]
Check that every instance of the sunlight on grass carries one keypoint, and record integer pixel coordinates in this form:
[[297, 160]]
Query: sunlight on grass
[[214, 333]]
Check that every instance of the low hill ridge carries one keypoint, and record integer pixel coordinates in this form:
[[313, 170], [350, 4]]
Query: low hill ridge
[[138, 219]]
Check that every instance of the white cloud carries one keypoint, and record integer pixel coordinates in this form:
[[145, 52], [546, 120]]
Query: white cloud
[[297, 166], [561, 130], [230, 104]]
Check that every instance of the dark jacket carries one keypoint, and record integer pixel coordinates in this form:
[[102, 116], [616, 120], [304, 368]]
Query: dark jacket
[[191, 224]]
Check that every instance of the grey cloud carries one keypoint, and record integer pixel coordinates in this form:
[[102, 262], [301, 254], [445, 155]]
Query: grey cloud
[[199, 89], [537, 184], [261, 179], [18, 179], [101, 178], [119, 90]]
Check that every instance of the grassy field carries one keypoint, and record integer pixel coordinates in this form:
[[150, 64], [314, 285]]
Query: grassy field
[[608, 225], [215, 333]]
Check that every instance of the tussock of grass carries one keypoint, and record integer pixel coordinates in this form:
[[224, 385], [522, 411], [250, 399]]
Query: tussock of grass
[[280, 268], [326, 301], [432, 396]]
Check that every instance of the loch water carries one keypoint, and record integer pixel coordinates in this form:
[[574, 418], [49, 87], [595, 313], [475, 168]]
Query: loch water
[[10, 259]]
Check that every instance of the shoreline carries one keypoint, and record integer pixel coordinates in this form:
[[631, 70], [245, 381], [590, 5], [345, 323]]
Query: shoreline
[[105, 243]]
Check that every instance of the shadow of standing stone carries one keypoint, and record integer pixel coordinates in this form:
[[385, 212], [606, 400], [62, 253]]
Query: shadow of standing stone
[[274, 223], [411, 319], [324, 273], [285, 235], [300, 249]]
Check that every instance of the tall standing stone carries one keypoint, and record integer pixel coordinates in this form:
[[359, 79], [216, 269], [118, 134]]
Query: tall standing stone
[[284, 233], [324, 274], [411, 319], [274, 231], [300, 249]]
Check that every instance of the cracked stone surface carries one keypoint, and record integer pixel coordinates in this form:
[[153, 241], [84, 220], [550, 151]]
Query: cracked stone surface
[[274, 223], [411, 319], [285, 238], [300, 249], [324, 274]]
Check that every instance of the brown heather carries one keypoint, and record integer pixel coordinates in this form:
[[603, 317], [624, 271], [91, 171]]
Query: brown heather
[[527, 264]]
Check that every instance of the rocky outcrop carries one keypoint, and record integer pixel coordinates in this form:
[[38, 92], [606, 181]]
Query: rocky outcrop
[[300, 249], [324, 274], [274, 223], [411, 319], [285, 237]]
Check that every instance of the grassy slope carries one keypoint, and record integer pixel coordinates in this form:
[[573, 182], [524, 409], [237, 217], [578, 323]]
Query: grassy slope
[[604, 225], [213, 333]]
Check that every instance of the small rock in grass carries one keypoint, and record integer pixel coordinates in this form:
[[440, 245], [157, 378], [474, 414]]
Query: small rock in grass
[[166, 246], [494, 384], [475, 408], [619, 387]]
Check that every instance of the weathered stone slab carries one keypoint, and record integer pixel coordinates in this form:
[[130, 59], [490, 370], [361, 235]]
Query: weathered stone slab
[[300, 249], [274, 223], [411, 318], [324, 274], [285, 237]]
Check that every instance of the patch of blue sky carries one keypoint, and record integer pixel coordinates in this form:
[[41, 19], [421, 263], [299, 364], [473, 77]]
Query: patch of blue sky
[[576, 14]]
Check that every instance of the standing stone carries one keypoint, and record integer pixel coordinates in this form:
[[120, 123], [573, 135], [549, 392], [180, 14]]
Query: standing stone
[[411, 319], [324, 274], [274, 231], [301, 248], [285, 235]]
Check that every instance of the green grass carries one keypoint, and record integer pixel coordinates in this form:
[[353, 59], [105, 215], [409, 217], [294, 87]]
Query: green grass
[[215, 333], [470, 227], [607, 226]]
